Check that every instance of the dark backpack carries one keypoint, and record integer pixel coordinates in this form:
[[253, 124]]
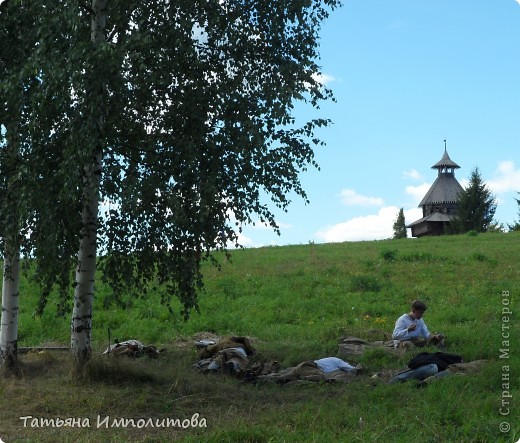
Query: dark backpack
[[441, 359]]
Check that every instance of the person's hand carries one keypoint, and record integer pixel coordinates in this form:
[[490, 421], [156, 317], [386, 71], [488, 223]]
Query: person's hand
[[412, 327]]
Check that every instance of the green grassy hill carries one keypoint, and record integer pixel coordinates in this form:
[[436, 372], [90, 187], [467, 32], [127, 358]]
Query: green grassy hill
[[295, 302]]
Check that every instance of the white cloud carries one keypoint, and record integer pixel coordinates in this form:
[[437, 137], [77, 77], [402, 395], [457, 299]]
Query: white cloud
[[506, 177], [261, 226], [243, 240], [350, 197], [411, 215], [418, 192], [370, 227], [323, 79], [253, 231], [413, 174], [518, 1]]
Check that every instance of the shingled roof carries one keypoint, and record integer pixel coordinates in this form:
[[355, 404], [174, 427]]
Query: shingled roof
[[445, 162], [445, 189], [434, 217]]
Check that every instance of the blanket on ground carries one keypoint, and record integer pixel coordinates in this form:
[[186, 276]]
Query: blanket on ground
[[471, 367], [132, 348], [306, 371], [212, 350], [230, 354]]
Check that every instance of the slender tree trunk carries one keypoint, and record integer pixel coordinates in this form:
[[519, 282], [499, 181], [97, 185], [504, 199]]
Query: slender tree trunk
[[9, 322], [11, 270], [81, 325]]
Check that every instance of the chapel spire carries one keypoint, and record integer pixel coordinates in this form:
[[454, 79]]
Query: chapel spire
[[445, 165]]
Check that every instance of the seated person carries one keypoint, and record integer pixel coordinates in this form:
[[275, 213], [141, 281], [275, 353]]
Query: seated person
[[410, 329]]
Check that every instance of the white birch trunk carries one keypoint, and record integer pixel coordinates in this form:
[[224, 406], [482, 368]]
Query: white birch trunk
[[10, 303], [81, 325]]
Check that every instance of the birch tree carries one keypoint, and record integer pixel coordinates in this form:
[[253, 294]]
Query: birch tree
[[37, 202], [13, 122], [179, 115], [11, 253], [84, 285], [10, 232], [217, 131]]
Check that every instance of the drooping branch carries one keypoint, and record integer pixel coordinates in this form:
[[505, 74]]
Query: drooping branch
[[86, 8]]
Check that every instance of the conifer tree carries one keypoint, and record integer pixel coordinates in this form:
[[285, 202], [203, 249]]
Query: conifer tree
[[400, 226], [516, 225], [476, 207]]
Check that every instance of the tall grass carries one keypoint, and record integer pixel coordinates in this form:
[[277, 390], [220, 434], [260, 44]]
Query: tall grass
[[296, 302]]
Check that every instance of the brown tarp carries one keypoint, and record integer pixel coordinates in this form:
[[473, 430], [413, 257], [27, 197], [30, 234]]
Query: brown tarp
[[306, 371]]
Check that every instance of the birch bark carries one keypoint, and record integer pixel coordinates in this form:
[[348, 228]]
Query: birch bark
[[10, 304], [11, 250], [81, 325]]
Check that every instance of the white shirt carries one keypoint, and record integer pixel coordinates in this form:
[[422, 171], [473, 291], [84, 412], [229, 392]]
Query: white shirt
[[329, 364], [401, 328]]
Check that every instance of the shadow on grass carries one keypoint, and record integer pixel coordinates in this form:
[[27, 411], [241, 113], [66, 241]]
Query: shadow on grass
[[36, 365], [119, 371], [100, 369]]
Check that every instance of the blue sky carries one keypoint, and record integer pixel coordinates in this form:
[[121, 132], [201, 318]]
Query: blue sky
[[408, 74]]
